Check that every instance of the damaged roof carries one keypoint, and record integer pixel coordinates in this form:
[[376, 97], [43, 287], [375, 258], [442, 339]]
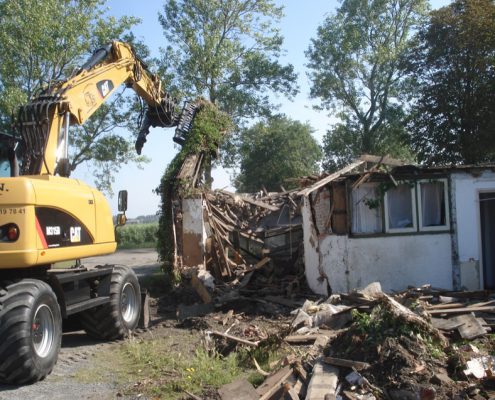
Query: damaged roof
[[367, 164]]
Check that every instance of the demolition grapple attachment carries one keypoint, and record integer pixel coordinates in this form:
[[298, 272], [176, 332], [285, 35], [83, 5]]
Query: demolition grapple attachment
[[154, 117], [184, 125]]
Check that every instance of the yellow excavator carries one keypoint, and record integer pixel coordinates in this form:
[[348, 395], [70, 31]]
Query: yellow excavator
[[47, 218]]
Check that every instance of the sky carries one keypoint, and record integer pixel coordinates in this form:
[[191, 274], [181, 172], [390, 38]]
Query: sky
[[298, 27]]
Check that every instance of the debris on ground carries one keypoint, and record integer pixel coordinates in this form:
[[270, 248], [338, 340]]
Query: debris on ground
[[371, 345]]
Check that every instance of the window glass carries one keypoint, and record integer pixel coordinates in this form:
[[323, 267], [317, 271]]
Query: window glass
[[432, 204], [366, 209], [4, 159], [400, 207]]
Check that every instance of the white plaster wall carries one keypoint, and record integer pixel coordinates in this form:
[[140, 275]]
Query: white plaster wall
[[193, 228], [192, 210], [467, 189], [395, 261], [311, 254]]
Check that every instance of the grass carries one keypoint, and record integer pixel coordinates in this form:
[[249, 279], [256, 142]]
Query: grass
[[167, 374], [137, 236]]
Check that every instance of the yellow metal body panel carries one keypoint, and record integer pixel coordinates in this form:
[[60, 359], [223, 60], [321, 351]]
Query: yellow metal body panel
[[22, 196]]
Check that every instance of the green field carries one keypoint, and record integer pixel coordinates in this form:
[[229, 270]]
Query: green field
[[137, 236]]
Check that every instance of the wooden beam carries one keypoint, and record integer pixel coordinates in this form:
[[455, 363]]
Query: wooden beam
[[235, 339], [340, 362], [322, 182]]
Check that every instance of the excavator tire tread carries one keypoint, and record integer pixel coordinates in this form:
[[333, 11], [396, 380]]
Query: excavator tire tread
[[106, 321], [19, 301]]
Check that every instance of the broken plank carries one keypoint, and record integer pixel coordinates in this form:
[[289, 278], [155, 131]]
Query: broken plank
[[330, 178], [462, 310], [470, 328], [295, 339], [251, 201], [341, 362], [445, 324], [323, 381], [300, 371], [200, 288], [443, 306], [235, 339], [273, 383]]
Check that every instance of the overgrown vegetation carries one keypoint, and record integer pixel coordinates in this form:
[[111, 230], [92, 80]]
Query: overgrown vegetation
[[209, 128], [372, 329], [139, 236]]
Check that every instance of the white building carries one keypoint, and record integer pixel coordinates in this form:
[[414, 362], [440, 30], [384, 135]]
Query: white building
[[401, 225]]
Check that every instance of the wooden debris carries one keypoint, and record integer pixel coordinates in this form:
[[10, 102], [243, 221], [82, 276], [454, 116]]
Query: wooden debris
[[258, 368], [470, 327], [235, 339], [200, 289], [273, 383], [300, 371], [340, 362], [324, 380], [299, 339], [462, 310], [445, 324], [191, 395]]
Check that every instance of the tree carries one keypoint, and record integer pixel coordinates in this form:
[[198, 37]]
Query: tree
[[42, 41], [354, 64], [454, 115], [274, 151], [226, 51], [343, 142]]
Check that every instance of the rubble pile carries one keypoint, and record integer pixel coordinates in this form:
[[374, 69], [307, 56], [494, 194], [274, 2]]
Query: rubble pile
[[247, 231], [423, 343]]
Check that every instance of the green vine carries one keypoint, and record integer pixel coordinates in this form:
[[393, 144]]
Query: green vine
[[210, 126]]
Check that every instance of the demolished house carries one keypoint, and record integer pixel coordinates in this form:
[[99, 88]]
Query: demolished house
[[379, 219]]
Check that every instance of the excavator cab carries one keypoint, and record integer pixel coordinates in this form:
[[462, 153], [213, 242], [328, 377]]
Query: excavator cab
[[9, 149]]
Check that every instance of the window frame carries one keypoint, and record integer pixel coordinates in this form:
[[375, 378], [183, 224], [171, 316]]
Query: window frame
[[352, 208], [414, 213], [445, 227]]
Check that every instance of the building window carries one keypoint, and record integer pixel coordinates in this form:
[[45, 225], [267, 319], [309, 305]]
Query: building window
[[400, 209], [432, 205], [366, 209]]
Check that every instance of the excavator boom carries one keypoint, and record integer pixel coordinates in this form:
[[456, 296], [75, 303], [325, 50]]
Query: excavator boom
[[44, 122]]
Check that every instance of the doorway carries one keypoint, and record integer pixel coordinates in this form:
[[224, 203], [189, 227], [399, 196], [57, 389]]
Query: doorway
[[487, 214]]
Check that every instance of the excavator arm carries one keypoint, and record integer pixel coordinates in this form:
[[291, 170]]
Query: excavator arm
[[43, 124]]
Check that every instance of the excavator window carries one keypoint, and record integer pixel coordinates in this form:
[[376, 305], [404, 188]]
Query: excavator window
[[9, 156], [4, 156]]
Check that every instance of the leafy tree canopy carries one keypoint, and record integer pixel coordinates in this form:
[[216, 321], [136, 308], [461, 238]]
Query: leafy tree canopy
[[343, 142], [354, 64], [226, 51], [454, 116], [45, 40], [275, 151]]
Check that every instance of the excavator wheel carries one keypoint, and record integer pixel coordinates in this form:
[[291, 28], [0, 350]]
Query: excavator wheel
[[118, 318], [30, 331]]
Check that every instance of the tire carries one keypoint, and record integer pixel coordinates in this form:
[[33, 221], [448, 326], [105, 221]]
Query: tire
[[120, 316], [30, 331]]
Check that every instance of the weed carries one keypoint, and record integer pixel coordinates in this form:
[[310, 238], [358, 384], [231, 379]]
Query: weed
[[172, 373]]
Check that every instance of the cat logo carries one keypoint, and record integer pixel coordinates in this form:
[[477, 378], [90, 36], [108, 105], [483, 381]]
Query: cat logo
[[75, 234], [104, 87]]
